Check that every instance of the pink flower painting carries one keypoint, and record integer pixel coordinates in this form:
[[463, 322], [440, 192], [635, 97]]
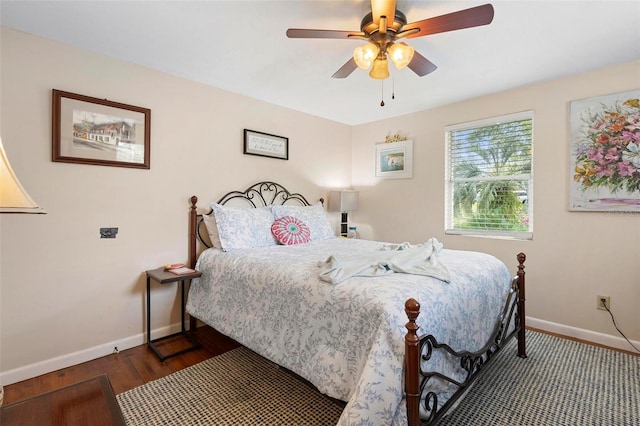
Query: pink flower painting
[[605, 153]]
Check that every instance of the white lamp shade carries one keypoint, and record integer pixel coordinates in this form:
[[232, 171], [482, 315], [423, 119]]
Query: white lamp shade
[[343, 201], [13, 197]]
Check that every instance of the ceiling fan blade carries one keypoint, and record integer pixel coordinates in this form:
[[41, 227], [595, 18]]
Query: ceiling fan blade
[[421, 65], [383, 8], [473, 17], [306, 33], [346, 69]]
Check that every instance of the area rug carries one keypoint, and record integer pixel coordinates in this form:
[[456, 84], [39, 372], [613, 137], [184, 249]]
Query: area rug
[[560, 383], [235, 388]]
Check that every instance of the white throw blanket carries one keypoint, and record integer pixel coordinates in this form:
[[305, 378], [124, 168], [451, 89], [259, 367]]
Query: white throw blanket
[[420, 259]]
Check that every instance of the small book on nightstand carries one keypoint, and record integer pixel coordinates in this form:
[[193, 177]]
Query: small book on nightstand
[[181, 270]]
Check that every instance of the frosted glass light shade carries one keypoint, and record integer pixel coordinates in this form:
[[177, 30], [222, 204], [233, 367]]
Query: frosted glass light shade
[[13, 197], [365, 55], [400, 54], [379, 69]]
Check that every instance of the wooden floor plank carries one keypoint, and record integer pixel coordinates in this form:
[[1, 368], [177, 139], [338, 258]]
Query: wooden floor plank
[[127, 369]]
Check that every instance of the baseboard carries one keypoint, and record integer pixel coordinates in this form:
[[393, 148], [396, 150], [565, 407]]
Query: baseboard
[[68, 360], [617, 342], [53, 364]]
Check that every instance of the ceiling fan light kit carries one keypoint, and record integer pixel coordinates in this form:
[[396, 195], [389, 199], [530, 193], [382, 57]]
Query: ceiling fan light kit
[[379, 69], [365, 55], [400, 54], [383, 34]]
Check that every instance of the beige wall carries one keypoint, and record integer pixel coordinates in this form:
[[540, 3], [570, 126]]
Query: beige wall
[[66, 294], [573, 256]]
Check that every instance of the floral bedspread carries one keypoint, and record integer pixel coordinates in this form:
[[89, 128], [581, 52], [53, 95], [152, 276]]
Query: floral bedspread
[[346, 339]]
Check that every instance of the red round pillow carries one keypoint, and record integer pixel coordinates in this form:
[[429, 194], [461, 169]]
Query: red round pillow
[[290, 230]]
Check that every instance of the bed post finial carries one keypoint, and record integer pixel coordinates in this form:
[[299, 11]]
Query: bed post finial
[[522, 353], [193, 223], [412, 366]]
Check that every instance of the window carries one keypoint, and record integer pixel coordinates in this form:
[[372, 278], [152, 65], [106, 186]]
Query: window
[[489, 181]]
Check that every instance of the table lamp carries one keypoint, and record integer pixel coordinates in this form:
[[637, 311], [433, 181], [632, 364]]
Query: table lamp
[[13, 197], [344, 201]]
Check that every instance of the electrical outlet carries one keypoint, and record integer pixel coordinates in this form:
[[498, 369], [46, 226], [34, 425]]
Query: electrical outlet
[[599, 304]]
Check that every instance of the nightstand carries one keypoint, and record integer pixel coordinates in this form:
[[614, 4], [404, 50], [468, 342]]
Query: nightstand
[[165, 277]]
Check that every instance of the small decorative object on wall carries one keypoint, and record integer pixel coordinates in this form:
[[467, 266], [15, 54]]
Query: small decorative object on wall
[[394, 138], [96, 131], [605, 153], [394, 160], [266, 145]]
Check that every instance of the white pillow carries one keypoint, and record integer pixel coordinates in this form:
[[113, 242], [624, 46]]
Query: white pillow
[[212, 229], [240, 228], [314, 216]]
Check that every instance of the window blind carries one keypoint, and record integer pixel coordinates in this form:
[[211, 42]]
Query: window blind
[[489, 177]]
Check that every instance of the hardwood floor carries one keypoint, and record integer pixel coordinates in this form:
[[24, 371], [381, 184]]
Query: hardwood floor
[[127, 369], [136, 366]]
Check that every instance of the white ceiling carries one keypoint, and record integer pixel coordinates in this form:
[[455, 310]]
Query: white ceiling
[[241, 46]]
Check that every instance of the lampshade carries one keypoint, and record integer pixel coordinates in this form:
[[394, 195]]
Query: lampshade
[[343, 201], [400, 54], [13, 197], [379, 69], [365, 55]]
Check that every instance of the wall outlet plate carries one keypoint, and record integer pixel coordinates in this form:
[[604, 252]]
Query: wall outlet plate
[[607, 302]]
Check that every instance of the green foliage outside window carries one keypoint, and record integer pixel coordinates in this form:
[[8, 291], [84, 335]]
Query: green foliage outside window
[[490, 173]]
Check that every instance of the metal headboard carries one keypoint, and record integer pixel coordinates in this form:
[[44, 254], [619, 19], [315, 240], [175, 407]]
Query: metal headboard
[[260, 194], [264, 194]]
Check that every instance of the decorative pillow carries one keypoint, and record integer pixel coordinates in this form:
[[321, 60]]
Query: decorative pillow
[[314, 216], [240, 228], [212, 229], [289, 230]]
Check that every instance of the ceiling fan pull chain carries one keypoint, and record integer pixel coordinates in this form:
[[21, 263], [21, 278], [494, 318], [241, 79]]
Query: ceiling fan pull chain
[[382, 92], [393, 87]]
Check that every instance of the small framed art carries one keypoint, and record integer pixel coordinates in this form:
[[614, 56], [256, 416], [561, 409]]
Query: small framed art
[[97, 131], [394, 160], [265, 145]]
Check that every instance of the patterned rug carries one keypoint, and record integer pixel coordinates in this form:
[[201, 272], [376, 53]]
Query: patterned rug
[[561, 383]]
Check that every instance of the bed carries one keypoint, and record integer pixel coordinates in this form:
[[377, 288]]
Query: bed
[[357, 337]]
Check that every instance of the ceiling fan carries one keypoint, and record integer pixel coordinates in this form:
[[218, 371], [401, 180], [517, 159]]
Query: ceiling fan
[[384, 27]]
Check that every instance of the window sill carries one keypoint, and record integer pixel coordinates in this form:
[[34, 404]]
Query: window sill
[[498, 235]]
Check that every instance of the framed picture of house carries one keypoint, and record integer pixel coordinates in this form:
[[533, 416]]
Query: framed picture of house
[[394, 160], [96, 131], [604, 169], [265, 145]]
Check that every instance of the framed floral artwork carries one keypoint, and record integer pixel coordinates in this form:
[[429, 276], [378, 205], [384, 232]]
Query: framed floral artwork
[[605, 153]]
